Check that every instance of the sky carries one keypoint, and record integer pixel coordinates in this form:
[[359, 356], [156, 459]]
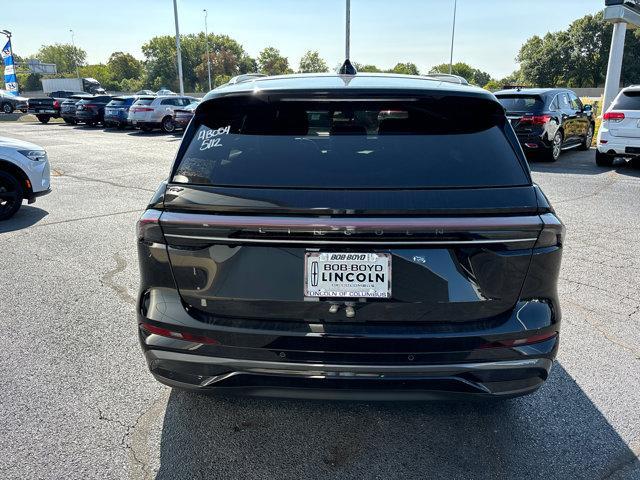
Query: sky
[[489, 33]]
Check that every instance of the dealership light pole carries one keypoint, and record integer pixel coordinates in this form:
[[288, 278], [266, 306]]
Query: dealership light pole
[[453, 35], [75, 59], [179, 52], [206, 39]]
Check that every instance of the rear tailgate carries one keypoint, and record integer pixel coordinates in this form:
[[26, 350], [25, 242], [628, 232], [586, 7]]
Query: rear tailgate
[[453, 244], [628, 103], [443, 268]]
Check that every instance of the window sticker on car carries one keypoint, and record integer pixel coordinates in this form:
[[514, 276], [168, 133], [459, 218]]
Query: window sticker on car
[[208, 137]]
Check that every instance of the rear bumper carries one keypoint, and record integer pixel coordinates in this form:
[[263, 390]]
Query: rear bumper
[[44, 111], [509, 378], [533, 143], [622, 147], [342, 361], [87, 117]]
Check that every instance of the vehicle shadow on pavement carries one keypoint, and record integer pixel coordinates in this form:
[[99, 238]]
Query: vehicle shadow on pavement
[[557, 433], [583, 163], [25, 217]]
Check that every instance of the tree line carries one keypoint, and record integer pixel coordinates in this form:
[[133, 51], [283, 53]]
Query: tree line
[[575, 57]]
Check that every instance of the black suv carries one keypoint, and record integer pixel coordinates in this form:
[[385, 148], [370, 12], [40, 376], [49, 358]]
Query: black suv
[[548, 120], [90, 111], [350, 236]]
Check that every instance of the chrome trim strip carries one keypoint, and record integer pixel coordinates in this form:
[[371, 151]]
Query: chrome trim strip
[[447, 224], [353, 242], [257, 366]]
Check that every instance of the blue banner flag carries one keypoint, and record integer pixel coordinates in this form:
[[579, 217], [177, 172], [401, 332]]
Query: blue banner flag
[[10, 78]]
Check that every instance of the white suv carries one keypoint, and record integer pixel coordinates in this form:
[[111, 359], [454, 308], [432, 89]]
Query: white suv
[[619, 134], [150, 112], [24, 174]]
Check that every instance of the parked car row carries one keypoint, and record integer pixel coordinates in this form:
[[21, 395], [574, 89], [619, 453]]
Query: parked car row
[[168, 112]]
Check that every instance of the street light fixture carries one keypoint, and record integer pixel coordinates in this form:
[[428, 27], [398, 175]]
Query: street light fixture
[[178, 50], [453, 34], [75, 60], [206, 38]]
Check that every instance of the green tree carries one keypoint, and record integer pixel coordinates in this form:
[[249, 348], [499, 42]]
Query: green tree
[[366, 68], [271, 62], [161, 59], [65, 56], [124, 66], [473, 75], [101, 73], [578, 56], [405, 68], [311, 62]]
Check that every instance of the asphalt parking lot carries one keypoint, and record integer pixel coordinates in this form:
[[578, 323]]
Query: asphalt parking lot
[[76, 400]]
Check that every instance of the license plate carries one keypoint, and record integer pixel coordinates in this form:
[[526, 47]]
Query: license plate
[[347, 275]]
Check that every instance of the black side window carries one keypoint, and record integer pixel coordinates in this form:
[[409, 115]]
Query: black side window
[[168, 101], [576, 104], [565, 104]]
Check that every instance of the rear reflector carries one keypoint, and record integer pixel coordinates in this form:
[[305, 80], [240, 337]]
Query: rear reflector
[[189, 337], [614, 116], [519, 342]]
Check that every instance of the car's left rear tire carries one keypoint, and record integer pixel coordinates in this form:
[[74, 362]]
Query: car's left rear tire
[[7, 108], [11, 195], [168, 125], [552, 154], [588, 139]]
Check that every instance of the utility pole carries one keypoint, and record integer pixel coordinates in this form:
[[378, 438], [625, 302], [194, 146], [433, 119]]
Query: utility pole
[[347, 45], [453, 35], [75, 60], [206, 37], [179, 52]]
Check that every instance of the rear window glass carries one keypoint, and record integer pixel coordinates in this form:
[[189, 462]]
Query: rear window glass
[[521, 103], [446, 142], [144, 101], [120, 102], [628, 101]]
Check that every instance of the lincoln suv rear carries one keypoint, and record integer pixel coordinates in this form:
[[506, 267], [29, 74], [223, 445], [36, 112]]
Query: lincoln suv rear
[[350, 236]]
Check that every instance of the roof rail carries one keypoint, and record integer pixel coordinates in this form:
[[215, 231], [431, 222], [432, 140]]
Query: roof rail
[[446, 77]]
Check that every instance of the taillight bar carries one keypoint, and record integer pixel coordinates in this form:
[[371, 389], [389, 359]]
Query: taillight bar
[[535, 119], [614, 116], [142, 109]]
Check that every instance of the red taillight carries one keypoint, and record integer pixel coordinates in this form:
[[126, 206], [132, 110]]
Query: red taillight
[[90, 105], [519, 342], [142, 109], [613, 116], [536, 119], [56, 104], [148, 227], [189, 337]]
